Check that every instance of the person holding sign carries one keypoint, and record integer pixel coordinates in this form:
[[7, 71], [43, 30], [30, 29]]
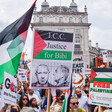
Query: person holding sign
[[57, 103], [42, 75]]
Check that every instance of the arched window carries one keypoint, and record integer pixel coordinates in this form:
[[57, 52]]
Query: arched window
[[70, 20], [41, 19], [60, 20]]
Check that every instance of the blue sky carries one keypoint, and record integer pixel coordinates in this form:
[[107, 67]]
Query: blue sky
[[99, 14]]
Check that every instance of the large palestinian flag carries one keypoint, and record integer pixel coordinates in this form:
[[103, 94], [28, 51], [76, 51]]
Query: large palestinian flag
[[101, 87], [12, 40]]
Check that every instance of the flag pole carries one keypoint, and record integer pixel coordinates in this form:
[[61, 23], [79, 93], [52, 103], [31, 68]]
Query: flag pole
[[48, 100], [99, 108]]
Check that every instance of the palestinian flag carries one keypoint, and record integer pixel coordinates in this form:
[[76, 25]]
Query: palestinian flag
[[64, 107], [12, 40], [66, 103]]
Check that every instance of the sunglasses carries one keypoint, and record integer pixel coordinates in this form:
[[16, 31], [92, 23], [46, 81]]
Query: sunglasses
[[75, 103], [25, 99]]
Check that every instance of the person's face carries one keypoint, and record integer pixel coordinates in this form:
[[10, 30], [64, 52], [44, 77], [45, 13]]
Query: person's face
[[78, 92], [74, 104], [19, 84], [61, 97], [25, 100], [86, 90], [30, 91], [34, 102], [43, 74]]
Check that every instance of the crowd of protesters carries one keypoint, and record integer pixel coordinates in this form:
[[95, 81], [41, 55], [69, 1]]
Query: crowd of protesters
[[29, 100]]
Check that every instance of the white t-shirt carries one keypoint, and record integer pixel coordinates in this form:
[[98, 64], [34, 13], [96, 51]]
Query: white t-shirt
[[83, 102]]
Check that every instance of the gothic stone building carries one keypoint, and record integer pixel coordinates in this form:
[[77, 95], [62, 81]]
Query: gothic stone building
[[67, 19]]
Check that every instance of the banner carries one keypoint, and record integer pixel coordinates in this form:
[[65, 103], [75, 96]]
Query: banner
[[52, 59], [100, 63], [101, 87], [9, 92], [78, 73]]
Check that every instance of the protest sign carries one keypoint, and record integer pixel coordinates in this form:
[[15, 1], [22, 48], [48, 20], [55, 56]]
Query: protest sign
[[22, 75], [101, 87], [100, 63], [9, 92], [87, 72], [52, 59], [104, 54], [78, 73]]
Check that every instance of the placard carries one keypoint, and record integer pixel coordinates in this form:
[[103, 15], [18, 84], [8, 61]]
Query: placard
[[101, 87], [9, 92], [52, 59], [78, 73]]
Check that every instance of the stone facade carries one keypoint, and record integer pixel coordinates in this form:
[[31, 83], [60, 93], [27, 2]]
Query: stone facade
[[67, 19]]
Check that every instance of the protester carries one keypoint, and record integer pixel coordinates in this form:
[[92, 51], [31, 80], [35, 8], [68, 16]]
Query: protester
[[83, 100], [102, 109], [12, 108], [24, 101], [32, 95], [25, 86], [20, 89], [44, 106], [74, 105], [4, 108], [34, 105], [57, 103]]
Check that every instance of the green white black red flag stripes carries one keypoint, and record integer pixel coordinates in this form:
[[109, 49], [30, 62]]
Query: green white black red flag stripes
[[52, 55], [12, 40], [101, 87]]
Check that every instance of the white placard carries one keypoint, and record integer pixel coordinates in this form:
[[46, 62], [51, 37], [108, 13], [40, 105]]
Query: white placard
[[52, 59], [9, 92], [78, 73]]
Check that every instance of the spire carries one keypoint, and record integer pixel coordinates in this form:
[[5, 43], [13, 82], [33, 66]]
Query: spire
[[73, 6], [85, 8], [45, 5]]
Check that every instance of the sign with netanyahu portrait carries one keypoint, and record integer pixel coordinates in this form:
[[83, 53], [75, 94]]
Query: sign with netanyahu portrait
[[52, 59]]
